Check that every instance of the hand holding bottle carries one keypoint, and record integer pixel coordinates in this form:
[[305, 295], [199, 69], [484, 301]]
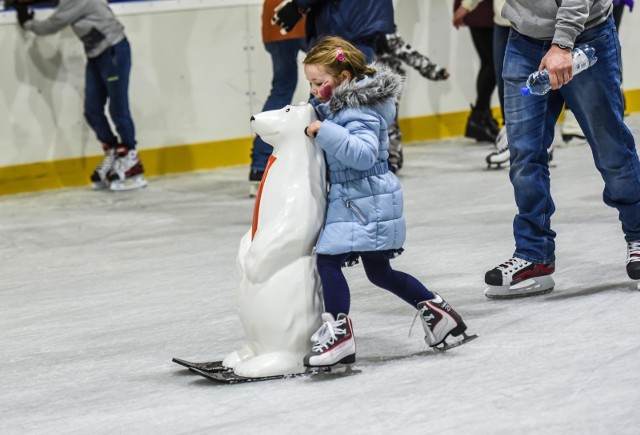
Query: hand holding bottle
[[539, 82]]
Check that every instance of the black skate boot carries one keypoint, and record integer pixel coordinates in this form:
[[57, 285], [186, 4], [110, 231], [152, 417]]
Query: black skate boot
[[517, 278], [439, 321], [633, 259], [481, 126], [333, 343]]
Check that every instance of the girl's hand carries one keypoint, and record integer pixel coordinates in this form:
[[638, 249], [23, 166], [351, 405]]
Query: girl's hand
[[313, 128]]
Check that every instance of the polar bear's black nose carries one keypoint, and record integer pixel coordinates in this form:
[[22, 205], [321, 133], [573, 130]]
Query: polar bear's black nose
[[253, 118]]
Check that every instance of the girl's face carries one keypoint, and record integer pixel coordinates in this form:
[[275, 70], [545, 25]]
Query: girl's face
[[322, 83]]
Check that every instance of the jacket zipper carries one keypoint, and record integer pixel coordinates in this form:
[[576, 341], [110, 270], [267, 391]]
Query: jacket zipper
[[356, 211]]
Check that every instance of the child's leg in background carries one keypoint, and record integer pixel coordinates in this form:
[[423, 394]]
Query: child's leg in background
[[403, 285], [334, 285]]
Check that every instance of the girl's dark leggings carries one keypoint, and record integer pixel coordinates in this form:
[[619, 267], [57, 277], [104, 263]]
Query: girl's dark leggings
[[378, 269]]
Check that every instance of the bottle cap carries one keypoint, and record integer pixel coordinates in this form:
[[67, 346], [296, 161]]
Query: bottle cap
[[525, 91]]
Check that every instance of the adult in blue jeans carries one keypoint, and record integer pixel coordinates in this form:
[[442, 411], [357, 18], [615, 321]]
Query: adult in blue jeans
[[542, 36], [283, 49], [106, 82]]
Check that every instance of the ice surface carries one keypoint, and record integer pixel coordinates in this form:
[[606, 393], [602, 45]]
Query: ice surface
[[98, 291]]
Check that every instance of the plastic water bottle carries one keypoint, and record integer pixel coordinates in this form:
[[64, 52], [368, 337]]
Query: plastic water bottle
[[539, 83]]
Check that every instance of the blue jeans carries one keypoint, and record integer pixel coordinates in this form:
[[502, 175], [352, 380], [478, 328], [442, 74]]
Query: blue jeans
[[107, 78], [500, 38], [595, 98], [284, 58]]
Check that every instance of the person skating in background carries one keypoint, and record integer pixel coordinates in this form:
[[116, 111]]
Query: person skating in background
[[501, 29], [283, 49], [106, 80], [364, 23], [364, 219], [392, 50], [542, 36], [478, 16]]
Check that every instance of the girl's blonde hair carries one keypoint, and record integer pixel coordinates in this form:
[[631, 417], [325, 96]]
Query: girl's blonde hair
[[337, 55]]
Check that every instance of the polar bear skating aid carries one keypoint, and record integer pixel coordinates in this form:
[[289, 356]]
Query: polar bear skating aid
[[279, 291]]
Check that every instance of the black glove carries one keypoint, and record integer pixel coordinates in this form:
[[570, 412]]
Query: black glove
[[24, 13], [287, 14]]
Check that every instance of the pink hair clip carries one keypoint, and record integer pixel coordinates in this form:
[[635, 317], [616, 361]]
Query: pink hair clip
[[340, 55]]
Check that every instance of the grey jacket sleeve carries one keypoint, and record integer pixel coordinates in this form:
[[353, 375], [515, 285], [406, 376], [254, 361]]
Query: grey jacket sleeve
[[570, 21], [555, 20], [67, 13]]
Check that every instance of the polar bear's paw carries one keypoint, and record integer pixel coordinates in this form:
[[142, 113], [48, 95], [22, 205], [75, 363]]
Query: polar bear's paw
[[236, 358], [270, 364]]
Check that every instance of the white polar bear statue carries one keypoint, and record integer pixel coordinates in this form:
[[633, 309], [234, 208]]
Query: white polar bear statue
[[279, 294]]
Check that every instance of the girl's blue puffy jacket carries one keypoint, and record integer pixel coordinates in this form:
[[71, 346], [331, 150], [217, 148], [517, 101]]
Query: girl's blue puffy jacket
[[364, 211]]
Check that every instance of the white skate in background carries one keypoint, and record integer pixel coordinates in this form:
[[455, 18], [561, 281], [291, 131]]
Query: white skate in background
[[279, 291]]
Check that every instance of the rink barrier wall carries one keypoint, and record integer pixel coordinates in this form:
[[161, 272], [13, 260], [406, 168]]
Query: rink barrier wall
[[210, 155], [199, 72]]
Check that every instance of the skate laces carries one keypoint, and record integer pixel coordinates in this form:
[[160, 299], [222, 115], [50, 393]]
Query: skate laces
[[325, 336], [633, 251], [107, 162], [420, 312], [512, 265], [123, 163], [502, 143]]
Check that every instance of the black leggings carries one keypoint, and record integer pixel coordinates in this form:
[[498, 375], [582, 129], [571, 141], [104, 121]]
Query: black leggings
[[486, 81], [378, 269]]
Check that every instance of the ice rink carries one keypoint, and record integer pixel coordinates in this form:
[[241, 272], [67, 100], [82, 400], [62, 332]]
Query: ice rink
[[98, 291]]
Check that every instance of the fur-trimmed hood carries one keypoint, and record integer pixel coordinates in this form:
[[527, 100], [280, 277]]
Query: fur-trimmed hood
[[385, 84]]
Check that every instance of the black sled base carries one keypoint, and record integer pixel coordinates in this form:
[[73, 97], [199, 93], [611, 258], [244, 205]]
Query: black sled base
[[207, 367], [229, 377]]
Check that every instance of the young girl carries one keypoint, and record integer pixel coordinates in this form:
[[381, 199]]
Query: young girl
[[355, 103]]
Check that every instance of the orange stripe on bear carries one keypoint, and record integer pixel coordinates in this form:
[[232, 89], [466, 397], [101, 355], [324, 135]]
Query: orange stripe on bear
[[256, 206]]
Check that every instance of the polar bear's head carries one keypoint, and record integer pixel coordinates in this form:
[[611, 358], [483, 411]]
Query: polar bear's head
[[277, 127]]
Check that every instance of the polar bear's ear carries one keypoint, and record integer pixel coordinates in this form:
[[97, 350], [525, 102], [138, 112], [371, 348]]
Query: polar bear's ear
[[302, 103]]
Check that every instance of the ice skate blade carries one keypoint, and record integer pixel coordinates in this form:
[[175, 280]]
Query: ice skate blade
[[496, 166], [132, 183], [99, 185], [529, 287], [465, 339]]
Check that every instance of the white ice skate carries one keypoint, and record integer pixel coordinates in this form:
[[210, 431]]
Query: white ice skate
[[333, 343], [517, 278], [99, 178], [501, 155], [127, 172], [440, 321]]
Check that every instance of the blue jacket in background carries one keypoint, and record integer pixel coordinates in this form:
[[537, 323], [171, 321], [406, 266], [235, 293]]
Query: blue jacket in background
[[357, 21]]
